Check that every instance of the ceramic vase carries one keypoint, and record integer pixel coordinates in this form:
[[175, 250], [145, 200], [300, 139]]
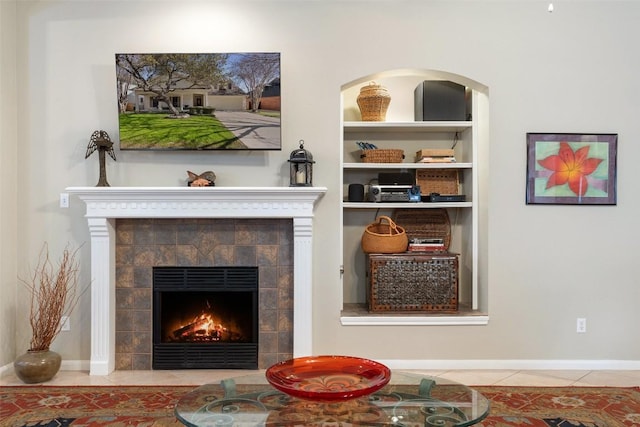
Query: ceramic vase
[[37, 366]]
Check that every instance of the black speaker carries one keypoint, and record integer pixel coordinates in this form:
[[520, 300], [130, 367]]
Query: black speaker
[[440, 100], [356, 193]]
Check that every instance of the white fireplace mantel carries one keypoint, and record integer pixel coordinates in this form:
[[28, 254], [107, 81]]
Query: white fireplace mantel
[[105, 204]]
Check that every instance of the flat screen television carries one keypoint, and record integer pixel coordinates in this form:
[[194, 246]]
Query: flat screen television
[[199, 101]]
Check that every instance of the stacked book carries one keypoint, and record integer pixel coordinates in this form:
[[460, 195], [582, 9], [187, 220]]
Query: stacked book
[[435, 155], [426, 245]]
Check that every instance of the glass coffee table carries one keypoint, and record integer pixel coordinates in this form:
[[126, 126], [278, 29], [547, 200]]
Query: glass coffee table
[[409, 400]]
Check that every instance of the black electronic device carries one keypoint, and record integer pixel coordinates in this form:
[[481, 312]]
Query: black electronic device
[[440, 100], [396, 178], [440, 198], [356, 193], [394, 193]]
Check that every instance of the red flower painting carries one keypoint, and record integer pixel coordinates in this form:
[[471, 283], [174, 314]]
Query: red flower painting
[[569, 166]]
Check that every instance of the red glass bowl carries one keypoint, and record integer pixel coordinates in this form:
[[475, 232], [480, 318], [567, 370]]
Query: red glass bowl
[[328, 378]]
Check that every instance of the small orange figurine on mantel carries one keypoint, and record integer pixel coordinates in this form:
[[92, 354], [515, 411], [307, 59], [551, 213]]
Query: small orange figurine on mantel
[[205, 179]]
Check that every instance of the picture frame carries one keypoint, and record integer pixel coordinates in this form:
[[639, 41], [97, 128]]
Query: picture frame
[[199, 101], [571, 168]]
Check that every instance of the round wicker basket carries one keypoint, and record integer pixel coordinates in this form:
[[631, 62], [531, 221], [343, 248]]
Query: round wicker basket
[[384, 237], [373, 102]]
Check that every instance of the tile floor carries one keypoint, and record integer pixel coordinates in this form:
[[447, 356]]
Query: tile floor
[[469, 377]]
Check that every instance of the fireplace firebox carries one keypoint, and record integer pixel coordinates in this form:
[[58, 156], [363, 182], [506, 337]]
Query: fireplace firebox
[[205, 318]]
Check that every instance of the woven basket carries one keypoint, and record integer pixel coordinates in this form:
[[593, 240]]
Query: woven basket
[[373, 102], [425, 224], [382, 155], [443, 181], [384, 237]]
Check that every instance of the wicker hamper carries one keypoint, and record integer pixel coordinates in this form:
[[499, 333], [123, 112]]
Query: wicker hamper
[[413, 282], [442, 181]]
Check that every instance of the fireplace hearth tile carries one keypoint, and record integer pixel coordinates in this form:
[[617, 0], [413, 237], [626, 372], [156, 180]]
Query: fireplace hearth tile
[[124, 276], [124, 254], [268, 320], [268, 342], [244, 255], [142, 342], [285, 321], [285, 343], [124, 299], [124, 320], [268, 299], [141, 362], [142, 277], [142, 320], [143, 232], [142, 299], [186, 255], [123, 361], [144, 255], [124, 232], [268, 277], [267, 255], [124, 342], [285, 255], [223, 255], [164, 232]]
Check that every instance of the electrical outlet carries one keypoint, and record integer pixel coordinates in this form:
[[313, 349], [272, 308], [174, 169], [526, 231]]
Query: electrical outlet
[[66, 326], [64, 200], [581, 325]]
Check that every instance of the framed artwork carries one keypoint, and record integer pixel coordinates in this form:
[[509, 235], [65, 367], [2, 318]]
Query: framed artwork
[[198, 101], [571, 168]]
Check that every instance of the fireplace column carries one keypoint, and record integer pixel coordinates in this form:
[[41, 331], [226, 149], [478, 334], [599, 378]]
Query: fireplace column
[[302, 280], [103, 296]]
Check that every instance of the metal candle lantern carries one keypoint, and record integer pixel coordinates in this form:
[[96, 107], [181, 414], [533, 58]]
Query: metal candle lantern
[[300, 167]]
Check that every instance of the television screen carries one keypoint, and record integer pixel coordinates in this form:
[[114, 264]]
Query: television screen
[[203, 101]]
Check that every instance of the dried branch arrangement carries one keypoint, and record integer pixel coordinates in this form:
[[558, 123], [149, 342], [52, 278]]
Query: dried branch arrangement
[[54, 294]]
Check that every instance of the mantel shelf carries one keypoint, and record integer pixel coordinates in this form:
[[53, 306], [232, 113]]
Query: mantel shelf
[[198, 202]]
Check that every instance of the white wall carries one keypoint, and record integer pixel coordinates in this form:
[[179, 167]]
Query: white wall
[[573, 70], [8, 181]]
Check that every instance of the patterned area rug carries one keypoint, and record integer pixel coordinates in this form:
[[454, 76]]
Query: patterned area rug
[[38, 406]]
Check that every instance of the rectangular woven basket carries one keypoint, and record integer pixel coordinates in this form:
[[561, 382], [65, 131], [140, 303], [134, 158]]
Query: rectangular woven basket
[[425, 224], [382, 155], [443, 181]]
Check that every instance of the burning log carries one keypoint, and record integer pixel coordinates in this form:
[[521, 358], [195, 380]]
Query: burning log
[[202, 327]]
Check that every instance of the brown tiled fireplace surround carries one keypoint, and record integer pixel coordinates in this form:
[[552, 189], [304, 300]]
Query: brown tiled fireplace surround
[[144, 243]]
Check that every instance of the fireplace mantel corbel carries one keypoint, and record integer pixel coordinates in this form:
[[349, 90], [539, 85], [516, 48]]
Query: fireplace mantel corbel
[[105, 204]]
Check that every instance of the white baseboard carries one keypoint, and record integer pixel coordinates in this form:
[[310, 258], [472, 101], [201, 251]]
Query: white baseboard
[[448, 365], [517, 365], [74, 365], [67, 365]]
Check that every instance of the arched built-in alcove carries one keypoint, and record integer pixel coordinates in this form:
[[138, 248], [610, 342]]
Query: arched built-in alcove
[[400, 129]]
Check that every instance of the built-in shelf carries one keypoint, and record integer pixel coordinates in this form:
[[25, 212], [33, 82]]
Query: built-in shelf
[[358, 315], [403, 205], [414, 126], [466, 165]]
